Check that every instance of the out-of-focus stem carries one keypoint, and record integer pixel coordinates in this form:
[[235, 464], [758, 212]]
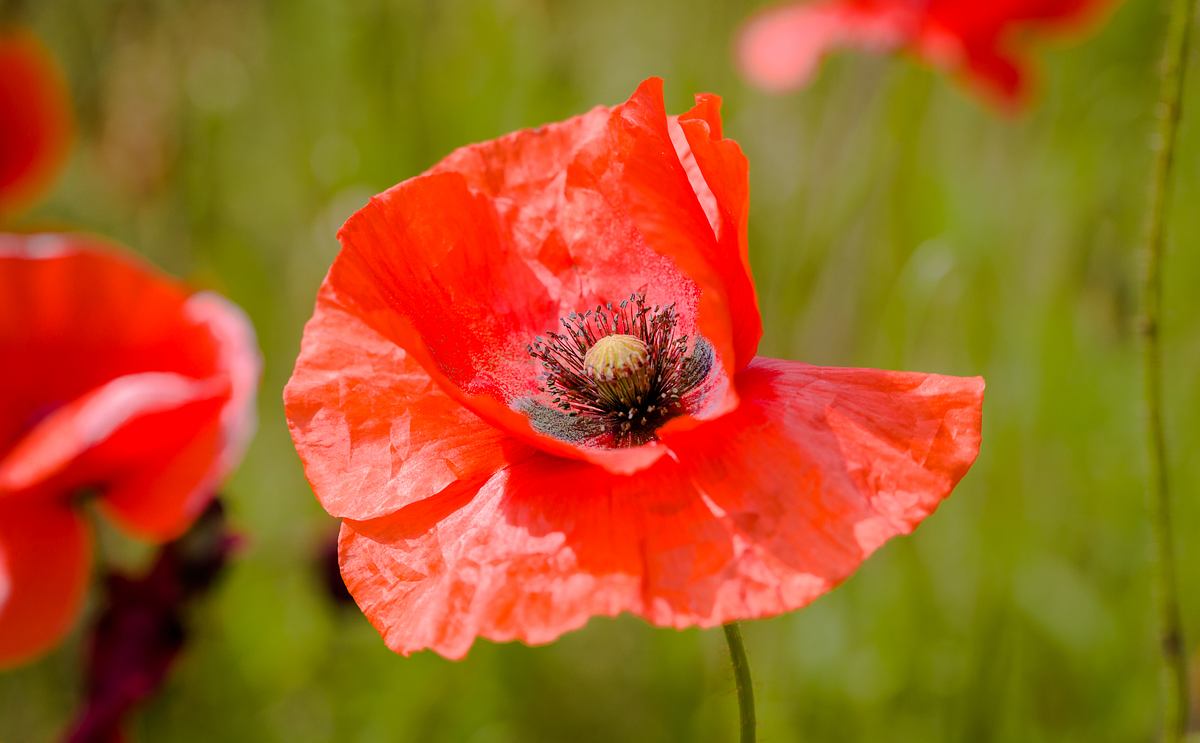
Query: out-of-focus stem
[[745, 686], [1174, 61]]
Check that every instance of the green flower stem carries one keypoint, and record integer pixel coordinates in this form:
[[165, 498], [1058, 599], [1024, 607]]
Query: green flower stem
[[745, 687], [1174, 657]]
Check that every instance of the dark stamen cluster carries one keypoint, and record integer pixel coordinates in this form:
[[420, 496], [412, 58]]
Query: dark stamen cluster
[[624, 407]]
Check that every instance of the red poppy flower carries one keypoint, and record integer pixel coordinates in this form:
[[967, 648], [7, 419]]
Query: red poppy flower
[[502, 480], [35, 119], [118, 384], [781, 46]]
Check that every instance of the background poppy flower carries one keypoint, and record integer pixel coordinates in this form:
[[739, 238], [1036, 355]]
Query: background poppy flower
[[472, 506], [118, 384], [35, 118], [781, 46]]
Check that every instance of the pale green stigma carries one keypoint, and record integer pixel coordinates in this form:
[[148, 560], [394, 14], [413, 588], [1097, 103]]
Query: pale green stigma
[[615, 357]]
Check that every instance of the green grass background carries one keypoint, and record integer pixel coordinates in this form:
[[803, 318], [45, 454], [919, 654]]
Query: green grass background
[[896, 222]]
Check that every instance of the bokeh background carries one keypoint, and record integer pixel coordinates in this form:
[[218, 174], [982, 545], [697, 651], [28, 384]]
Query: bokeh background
[[896, 222]]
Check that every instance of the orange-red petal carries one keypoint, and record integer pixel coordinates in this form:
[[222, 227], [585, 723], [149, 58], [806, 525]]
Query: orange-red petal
[[756, 513], [45, 553], [35, 119], [725, 174], [817, 469], [674, 212], [373, 430]]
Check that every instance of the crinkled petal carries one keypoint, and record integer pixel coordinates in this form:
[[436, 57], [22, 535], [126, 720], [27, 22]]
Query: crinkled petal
[[817, 469], [532, 552], [424, 266], [578, 238], [724, 173], [373, 430], [35, 119], [756, 513], [658, 194], [45, 551]]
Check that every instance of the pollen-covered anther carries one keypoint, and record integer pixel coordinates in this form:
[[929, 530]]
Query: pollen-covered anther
[[615, 357]]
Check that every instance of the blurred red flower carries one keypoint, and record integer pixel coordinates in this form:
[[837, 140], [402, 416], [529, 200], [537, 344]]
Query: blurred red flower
[[35, 119], [120, 385], [499, 480], [781, 46]]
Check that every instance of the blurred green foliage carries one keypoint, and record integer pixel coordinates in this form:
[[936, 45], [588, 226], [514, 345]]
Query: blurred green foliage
[[897, 222]]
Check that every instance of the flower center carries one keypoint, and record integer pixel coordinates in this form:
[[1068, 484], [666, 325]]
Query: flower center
[[617, 374], [615, 357]]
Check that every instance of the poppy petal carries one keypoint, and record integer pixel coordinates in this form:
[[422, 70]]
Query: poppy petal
[[357, 399], [780, 47], [124, 417], [981, 21], [985, 41], [421, 263], [658, 194], [171, 465], [149, 443], [504, 561], [164, 467], [999, 76], [547, 188], [725, 173], [766, 509], [127, 383], [35, 119], [45, 551], [79, 314], [238, 357], [817, 469], [436, 300]]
